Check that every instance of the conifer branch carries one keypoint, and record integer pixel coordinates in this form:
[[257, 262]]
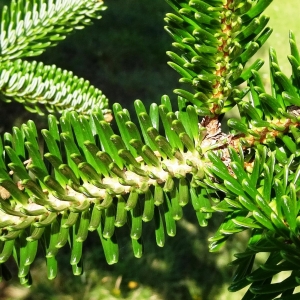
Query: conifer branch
[[29, 27], [216, 40], [93, 178], [40, 87]]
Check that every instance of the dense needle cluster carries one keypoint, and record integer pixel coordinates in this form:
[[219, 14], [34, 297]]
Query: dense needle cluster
[[90, 177]]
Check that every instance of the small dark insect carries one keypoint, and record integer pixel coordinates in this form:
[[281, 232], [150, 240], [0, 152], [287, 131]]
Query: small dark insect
[[294, 110]]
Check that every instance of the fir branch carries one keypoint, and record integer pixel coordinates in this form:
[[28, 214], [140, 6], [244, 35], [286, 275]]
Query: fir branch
[[91, 177], [29, 27], [138, 168], [216, 40], [41, 87], [79, 180]]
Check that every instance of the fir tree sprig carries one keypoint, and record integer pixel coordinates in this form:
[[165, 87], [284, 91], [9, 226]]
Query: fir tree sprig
[[91, 177], [216, 40], [48, 88], [29, 27]]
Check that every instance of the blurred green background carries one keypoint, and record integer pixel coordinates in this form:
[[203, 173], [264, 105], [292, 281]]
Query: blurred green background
[[124, 55]]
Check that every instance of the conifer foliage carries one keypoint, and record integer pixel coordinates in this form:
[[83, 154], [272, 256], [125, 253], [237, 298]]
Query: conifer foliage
[[91, 178]]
